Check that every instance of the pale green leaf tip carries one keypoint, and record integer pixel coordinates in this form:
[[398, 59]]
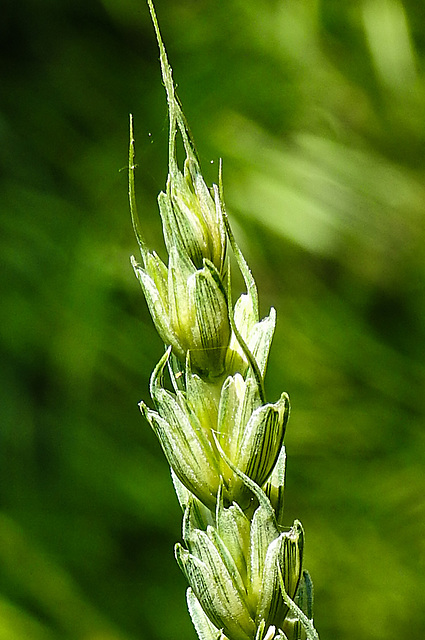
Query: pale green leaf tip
[[132, 191]]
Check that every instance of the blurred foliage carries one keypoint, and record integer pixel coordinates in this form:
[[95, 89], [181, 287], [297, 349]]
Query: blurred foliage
[[317, 110]]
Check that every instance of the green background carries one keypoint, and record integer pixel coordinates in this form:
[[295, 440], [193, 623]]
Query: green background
[[317, 109]]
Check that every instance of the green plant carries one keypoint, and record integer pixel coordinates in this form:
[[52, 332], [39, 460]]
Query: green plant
[[222, 439]]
